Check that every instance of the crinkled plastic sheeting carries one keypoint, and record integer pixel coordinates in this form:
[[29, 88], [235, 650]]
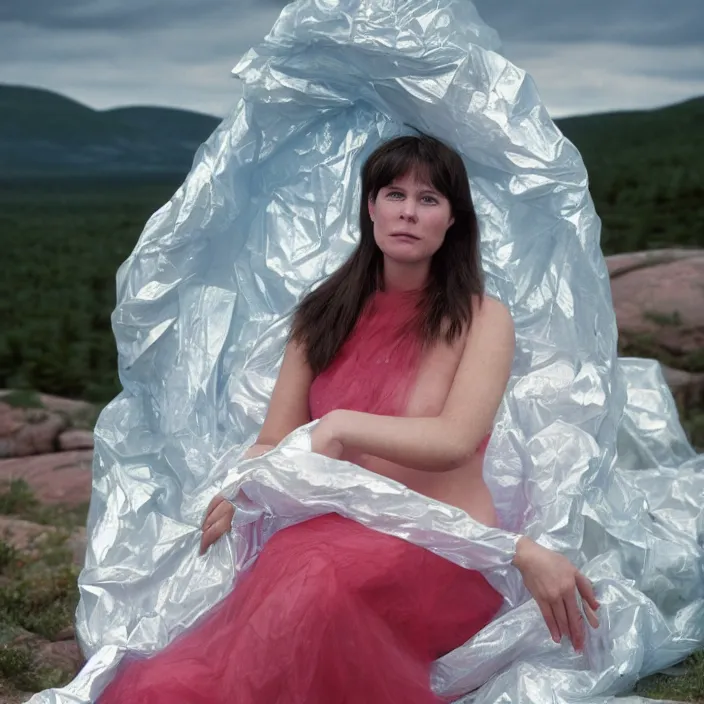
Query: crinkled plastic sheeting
[[588, 454]]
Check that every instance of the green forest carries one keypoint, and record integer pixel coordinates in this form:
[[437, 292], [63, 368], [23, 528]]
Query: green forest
[[62, 240]]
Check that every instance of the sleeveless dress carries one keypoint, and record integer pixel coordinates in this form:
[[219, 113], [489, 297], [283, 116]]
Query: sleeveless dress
[[331, 612]]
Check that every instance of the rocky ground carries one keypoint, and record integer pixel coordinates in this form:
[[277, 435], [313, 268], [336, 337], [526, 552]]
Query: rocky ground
[[46, 451], [659, 302], [47, 444]]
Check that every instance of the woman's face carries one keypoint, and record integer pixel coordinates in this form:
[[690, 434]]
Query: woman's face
[[410, 219]]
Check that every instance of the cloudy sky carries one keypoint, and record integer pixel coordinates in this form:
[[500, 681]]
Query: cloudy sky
[[586, 57]]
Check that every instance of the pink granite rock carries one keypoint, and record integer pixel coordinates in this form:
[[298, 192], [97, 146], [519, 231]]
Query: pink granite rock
[[13, 697], [56, 478], [29, 431], [659, 301], [23, 535], [58, 404], [59, 654], [76, 440], [619, 264], [63, 655]]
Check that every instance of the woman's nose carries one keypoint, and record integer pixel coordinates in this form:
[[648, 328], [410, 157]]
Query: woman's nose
[[408, 210]]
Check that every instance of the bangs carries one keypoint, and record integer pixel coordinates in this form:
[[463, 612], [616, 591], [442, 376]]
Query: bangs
[[415, 157]]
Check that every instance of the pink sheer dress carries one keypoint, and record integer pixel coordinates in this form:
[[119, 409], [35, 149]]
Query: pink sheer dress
[[331, 612]]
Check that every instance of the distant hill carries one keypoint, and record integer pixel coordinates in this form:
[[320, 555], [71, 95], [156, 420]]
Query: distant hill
[[674, 130], [646, 174], [44, 133]]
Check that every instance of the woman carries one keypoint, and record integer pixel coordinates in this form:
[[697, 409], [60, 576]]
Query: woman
[[405, 363]]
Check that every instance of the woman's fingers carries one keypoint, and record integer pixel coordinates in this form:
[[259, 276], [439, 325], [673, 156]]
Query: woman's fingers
[[207, 539], [218, 521], [592, 619], [550, 621], [563, 618], [586, 591], [576, 621], [558, 609], [215, 515], [214, 503], [212, 534], [219, 514], [554, 582], [590, 603]]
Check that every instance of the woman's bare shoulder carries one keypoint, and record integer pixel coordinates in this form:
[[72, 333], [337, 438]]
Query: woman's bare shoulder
[[492, 318], [488, 313], [490, 306]]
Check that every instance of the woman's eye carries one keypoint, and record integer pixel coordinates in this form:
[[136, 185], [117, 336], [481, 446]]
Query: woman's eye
[[424, 199]]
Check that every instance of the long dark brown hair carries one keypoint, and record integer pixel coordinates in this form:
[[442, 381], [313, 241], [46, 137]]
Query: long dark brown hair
[[325, 317]]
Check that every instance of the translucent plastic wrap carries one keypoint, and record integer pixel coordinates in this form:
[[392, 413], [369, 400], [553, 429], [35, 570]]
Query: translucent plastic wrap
[[587, 456]]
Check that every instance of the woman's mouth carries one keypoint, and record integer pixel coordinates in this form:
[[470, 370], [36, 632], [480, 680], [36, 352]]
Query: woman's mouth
[[405, 237]]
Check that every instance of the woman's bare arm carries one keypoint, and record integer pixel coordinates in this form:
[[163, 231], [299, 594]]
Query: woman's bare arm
[[436, 444], [289, 407], [444, 442], [288, 410]]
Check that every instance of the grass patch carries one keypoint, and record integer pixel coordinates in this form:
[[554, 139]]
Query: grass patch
[[18, 500], [645, 345], [686, 688], [38, 593], [8, 556], [80, 418], [22, 398], [18, 669], [41, 599], [664, 319]]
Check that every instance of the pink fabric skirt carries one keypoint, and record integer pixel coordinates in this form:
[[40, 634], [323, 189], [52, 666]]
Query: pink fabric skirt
[[331, 612]]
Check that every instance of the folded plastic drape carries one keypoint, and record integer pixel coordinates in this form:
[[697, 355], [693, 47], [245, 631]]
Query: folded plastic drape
[[588, 455]]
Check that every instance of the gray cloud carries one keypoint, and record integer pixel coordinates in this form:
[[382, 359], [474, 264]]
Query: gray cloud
[[120, 15], [637, 22], [89, 14], [585, 57], [631, 21]]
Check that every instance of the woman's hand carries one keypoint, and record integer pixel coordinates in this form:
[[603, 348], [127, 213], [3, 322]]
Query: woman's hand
[[554, 582], [218, 521], [325, 437], [220, 512]]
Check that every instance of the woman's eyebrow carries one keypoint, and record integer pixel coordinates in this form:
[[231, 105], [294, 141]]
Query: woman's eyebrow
[[424, 189]]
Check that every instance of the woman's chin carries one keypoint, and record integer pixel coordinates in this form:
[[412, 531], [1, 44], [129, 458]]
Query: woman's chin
[[404, 258], [406, 253]]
